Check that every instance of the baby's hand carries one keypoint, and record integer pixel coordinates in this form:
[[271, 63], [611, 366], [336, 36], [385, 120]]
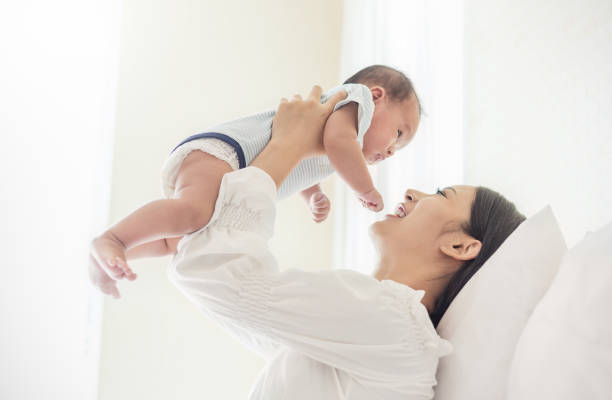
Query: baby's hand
[[372, 200], [319, 206]]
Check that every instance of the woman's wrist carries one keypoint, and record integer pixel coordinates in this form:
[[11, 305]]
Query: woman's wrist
[[277, 159]]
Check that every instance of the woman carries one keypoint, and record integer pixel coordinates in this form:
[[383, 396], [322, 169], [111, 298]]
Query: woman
[[337, 334]]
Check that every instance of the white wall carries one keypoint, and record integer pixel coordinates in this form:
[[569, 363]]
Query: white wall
[[539, 107], [184, 66]]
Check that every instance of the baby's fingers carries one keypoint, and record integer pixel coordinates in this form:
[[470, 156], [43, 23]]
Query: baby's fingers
[[113, 268], [321, 202], [320, 207], [110, 288], [319, 217], [376, 207]]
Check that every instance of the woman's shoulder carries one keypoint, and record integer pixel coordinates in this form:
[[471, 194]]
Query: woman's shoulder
[[388, 293], [410, 301]]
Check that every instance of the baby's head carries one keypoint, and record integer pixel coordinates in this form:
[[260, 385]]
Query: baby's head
[[397, 111]]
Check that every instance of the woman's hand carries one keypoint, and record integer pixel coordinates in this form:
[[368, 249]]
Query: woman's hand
[[297, 133], [300, 123]]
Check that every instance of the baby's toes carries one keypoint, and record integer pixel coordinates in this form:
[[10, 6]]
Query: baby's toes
[[130, 275], [127, 271], [114, 270], [110, 288]]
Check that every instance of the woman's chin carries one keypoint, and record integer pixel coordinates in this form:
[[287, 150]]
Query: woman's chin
[[377, 228], [384, 226]]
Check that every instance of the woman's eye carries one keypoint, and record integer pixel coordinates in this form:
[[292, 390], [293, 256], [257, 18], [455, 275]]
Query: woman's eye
[[440, 192]]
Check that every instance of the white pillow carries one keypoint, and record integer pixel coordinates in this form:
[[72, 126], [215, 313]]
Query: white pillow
[[565, 351], [485, 320]]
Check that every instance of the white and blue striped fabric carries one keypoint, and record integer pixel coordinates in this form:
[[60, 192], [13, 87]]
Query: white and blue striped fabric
[[249, 135]]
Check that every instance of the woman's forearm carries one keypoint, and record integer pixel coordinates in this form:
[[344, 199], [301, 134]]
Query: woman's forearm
[[278, 159]]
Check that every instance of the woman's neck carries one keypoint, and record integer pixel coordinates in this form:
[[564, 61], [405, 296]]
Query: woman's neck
[[417, 274]]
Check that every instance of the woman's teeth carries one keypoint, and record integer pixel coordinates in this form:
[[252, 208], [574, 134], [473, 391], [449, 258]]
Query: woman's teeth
[[400, 211]]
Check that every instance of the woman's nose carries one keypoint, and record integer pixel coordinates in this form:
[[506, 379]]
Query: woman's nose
[[413, 196]]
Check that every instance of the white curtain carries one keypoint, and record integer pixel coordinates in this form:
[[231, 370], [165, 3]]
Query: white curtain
[[58, 77], [424, 39]]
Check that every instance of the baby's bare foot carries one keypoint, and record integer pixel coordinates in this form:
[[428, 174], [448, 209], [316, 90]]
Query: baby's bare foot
[[110, 254], [100, 279]]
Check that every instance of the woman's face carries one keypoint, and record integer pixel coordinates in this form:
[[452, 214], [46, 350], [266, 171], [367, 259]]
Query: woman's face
[[424, 222]]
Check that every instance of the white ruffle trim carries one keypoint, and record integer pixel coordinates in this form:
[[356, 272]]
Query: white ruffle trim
[[212, 146], [238, 216]]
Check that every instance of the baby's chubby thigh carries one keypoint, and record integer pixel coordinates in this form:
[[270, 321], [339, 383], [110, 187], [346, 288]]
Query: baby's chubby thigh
[[197, 187]]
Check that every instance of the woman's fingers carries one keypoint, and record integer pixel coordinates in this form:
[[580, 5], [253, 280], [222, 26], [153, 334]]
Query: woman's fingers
[[315, 93], [331, 102], [300, 122]]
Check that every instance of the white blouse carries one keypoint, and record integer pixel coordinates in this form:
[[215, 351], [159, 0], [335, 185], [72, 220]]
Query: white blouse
[[334, 334]]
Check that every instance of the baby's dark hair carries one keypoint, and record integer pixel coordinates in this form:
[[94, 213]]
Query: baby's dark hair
[[398, 86]]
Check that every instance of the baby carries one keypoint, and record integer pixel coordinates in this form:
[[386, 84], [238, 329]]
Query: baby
[[378, 117]]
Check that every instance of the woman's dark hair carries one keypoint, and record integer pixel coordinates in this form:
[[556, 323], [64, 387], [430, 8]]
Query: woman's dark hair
[[492, 220], [396, 83]]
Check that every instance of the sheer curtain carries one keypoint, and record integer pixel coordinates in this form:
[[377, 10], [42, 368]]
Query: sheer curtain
[[58, 76], [424, 39]]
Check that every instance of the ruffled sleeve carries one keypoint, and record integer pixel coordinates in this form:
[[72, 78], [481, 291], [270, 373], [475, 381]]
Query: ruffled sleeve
[[375, 330]]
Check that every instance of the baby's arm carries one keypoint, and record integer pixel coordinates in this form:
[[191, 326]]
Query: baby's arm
[[344, 153], [317, 202]]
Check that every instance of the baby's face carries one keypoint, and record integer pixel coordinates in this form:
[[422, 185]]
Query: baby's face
[[393, 126]]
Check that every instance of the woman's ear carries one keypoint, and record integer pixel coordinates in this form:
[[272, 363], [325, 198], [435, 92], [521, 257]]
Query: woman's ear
[[378, 93], [461, 246]]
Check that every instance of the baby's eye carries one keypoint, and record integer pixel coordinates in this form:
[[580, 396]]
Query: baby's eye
[[399, 133]]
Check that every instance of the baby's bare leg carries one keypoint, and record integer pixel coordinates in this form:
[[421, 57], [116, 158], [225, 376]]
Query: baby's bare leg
[[197, 187], [157, 248]]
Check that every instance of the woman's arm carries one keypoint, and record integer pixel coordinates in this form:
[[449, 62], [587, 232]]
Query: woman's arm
[[373, 330]]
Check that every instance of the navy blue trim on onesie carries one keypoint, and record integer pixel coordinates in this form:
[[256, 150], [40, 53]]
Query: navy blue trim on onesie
[[220, 136]]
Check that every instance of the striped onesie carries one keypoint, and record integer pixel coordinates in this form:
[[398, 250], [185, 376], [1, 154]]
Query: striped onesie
[[239, 141]]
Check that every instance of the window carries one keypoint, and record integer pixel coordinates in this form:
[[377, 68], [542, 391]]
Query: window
[[425, 41]]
